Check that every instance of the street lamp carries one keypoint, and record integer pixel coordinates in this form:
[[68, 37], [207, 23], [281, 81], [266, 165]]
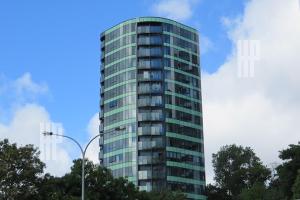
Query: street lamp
[[83, 151]]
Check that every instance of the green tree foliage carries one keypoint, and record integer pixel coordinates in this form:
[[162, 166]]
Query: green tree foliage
[[257, 192], [296, 187], [22, 178], [287, 172], [215, 193], [100, 184], [237, 168], [20, 171]]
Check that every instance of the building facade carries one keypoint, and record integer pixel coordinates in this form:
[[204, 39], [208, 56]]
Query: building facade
[[151, 111]]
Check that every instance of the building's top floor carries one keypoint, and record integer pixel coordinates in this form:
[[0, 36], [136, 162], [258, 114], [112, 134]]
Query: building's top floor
[[191, 32]]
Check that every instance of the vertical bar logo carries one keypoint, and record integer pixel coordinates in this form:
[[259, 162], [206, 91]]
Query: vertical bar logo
[[248, 52], [48, 144]]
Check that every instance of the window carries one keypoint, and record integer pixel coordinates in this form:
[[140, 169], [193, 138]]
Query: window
[[113, 104], [150, 51], [150, 63], [148, 40]]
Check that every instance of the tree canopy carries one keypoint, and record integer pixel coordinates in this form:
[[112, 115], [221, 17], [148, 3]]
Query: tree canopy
[[237, 168], [20, 171], [22, 178]]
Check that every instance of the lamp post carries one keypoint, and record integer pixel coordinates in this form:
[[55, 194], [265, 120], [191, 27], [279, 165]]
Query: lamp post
[[83, 151]]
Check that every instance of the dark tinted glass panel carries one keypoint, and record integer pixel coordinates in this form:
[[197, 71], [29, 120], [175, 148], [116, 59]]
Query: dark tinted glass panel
[[124, 64], [186, 173], [121, 130], [184, 144], [184, 130], [149, 51], [119, 43], [131, 87], [127, 114], [183, 103], [129, 100], [120, 78], [180, 31], [185, 158], [182, 78], [183, 116], [147, 40], [150, 63], [182, 90], [120, 54], [149, 28]]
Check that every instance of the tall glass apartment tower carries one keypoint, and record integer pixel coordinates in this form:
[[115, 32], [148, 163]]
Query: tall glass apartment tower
[[151, 112]]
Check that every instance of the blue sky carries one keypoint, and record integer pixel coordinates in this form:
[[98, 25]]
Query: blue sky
[[50, 60], [57, 42]]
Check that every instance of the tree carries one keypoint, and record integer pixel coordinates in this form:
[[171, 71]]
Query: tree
[[296, 187], [21, 177], [100, 184], [287, 172], [20, 171], [257, 192], [237, 168], [215, 193]]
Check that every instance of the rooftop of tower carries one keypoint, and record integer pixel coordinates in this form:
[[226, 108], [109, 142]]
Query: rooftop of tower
[[152, 19]]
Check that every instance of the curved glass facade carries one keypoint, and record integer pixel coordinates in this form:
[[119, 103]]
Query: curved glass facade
[[151, 112]]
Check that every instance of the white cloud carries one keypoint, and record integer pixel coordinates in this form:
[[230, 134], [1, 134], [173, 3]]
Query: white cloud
[[180, 10], [25, 84], [24, 125], [24, 129], [205, 44], [261, 112], [93, 130]]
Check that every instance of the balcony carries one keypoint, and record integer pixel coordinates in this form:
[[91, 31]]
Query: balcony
[[150, 63], [143, 89], [149, 102], [150, 40], [150, 52], [147, 187], [150, 130], [150, 76], [148, 160], [150, 29], [150, 145], [145, 175], [150, 116]]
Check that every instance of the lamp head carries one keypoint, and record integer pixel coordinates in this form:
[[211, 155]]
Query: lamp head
[[47, 133]]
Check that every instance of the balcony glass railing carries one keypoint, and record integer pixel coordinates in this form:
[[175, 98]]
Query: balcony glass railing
[[150, 63], [144, 175], [149, 51], [147, 187], [150, 130], [150, 40], [149, 29], [150, 102], [157, 88], [150, 145], [147, 160], [150, 116], [148, 76]]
